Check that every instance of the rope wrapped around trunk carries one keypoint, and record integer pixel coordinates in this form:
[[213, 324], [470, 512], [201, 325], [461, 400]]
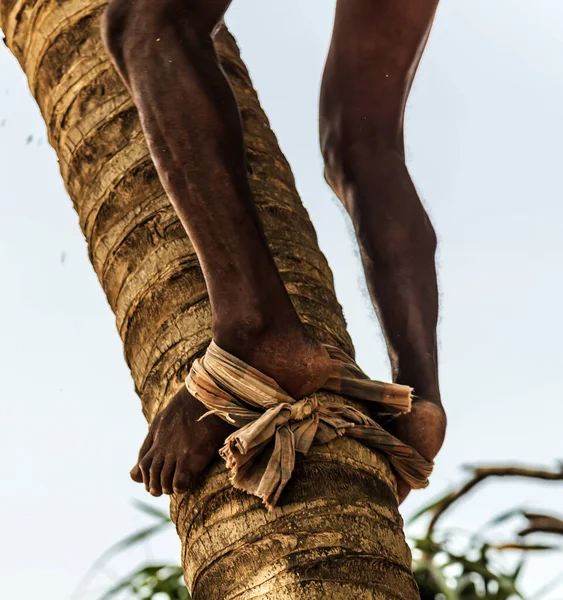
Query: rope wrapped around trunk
[[273, 426]]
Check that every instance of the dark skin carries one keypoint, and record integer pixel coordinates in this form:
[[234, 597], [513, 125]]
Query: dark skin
[[164, 53]]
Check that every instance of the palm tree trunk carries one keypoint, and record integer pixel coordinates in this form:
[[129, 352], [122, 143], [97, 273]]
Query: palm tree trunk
[[337, 532]]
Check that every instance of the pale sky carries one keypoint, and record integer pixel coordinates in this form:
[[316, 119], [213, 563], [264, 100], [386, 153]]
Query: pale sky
[[484, 130]]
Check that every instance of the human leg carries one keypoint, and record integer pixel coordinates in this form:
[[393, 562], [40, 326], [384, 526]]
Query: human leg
[[164, 52], [375, 50]]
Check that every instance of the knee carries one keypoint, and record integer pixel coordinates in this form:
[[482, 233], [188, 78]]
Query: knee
[[352, 147], [353, 115], [355, 158]]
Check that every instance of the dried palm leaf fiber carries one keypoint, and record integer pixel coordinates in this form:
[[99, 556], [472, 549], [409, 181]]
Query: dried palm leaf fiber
[[273, 426]]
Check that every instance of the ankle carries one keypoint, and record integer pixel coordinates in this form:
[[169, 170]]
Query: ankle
[[281, 349], [425, 385], [241, 333]]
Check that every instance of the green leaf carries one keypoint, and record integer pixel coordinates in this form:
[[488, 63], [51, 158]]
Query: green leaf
[[124, 544], [120, 587], [428, 508], [440, 581], [466, 587], [505, 516], [135, 581], [482, 568], [151, 510], [427, 545], [514, 576], [129, 542]]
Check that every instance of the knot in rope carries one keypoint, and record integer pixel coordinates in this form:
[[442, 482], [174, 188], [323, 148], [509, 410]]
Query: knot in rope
[[272, 426], [303, 409]]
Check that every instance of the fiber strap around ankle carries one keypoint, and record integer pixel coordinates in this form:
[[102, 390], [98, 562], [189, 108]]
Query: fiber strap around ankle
[[273, 426]]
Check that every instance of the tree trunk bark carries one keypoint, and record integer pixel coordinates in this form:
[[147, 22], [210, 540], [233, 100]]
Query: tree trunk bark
[[337, 532]]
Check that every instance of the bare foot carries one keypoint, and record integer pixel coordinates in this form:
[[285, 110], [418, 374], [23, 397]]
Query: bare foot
[[424, 428], [178, 447]]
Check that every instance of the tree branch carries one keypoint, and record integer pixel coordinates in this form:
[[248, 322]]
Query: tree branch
[[480, 474], [542, 524]]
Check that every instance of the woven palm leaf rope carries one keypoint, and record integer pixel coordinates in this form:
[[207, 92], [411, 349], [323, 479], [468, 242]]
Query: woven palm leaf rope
[[272, 426]]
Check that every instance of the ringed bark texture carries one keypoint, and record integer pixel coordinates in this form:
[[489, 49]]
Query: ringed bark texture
[[337, 532]]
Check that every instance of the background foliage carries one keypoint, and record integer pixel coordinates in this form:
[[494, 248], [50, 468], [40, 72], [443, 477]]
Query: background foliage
[[448, 563]]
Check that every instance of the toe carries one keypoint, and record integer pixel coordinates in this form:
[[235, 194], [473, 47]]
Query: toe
[[167, 476], [144, 466], [136, 474], [182, 478], [155, 471]]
